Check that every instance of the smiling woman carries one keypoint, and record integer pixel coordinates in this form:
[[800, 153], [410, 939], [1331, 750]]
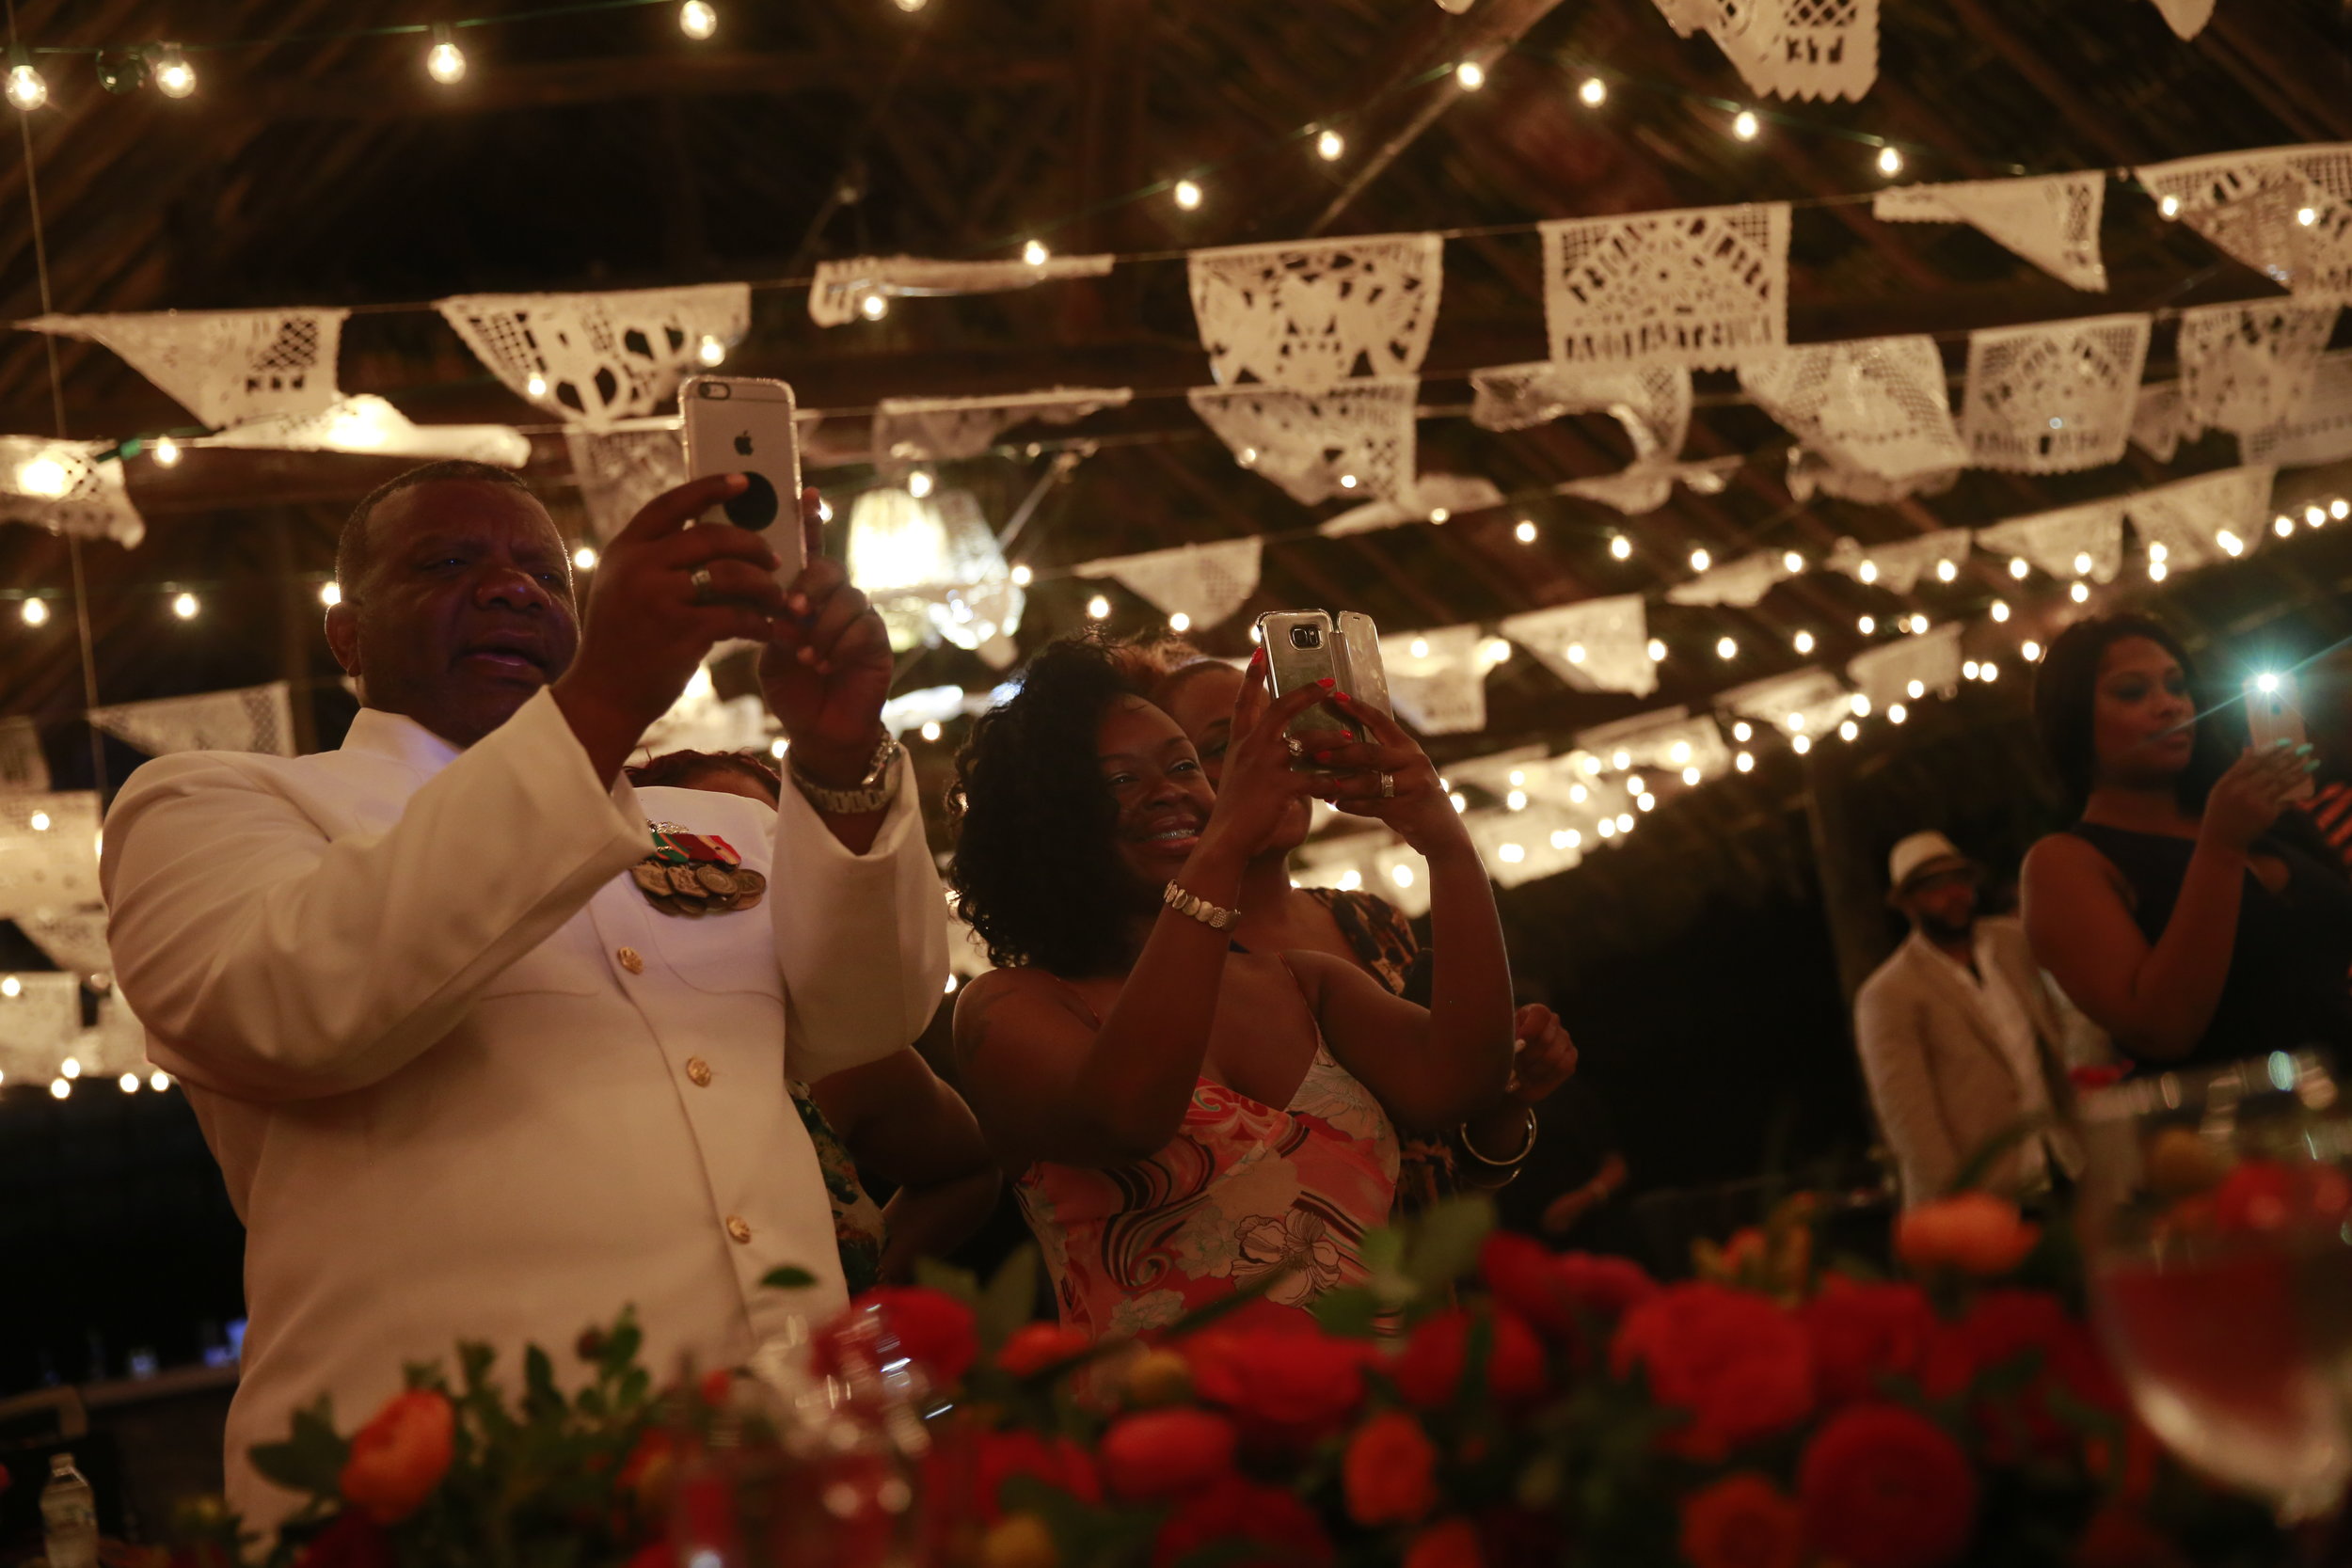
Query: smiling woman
[[1185, 1115]]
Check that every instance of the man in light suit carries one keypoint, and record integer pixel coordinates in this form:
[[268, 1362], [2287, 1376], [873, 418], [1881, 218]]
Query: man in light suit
[[463, 1077], [1958, 1035]]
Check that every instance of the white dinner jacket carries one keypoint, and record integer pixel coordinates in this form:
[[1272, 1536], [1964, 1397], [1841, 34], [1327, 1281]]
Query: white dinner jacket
[[465, 1081]]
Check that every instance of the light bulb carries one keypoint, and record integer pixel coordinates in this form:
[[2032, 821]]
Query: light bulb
[[44, 476], [1594, 91], [536, 385], [174, 76], [919, 483], [875, 306], [36, 612], [165, 451], [2080, 592], [1745, 125], [2169, 206], [26, 90], [1525, 533], [2000, 610], [1803, 641], [2017, 567], [1187, 195], [1656, 650], [331, 595], [185, 606], [1792, 563], [586, 558], [1726, 649], [1034, 253], [1890, 161], [445, 62], [697, 20], [710, 351], [1180, 622], [1022, 575], [1945, 571], [1621, 547], [1098, 608], [1700, 561], [1471, 75], [1330, 145]]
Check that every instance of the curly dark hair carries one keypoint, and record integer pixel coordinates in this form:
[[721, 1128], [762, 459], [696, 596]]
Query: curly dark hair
[[1035, 871], [2065, 695]]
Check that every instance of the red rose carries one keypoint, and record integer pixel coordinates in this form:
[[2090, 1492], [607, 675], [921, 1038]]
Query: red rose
[[1999, 1328], [1033, 1347], [1285, 1387], [1391, 1472], [1447, 1544], [1863, 1332], [398, 1458], [1739, 1364], [1885, 1488], [353, 1540], [1429, 1373], [1157, 1454], [1742, 1521], [932, 1327], [1271, 1518], [1056, 1462], [1974, 1233]]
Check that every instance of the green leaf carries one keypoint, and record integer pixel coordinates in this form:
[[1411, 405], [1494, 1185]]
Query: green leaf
[[1446, 1239], [1350, 1311], [1010, 1299], [311, 1458], [789, 1278]]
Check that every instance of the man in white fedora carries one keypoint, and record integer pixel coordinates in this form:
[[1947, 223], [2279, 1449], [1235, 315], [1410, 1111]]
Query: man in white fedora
[[1960, 1036]]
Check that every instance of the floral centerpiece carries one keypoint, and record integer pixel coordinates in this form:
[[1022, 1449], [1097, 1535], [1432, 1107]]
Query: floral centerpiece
[[1481, 1400]]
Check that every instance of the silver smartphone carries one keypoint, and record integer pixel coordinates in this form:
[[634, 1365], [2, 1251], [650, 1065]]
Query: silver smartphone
[[743, 424], [1303, 647], [1363, 676]]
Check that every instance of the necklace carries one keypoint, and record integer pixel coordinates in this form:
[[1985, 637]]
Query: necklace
[[691, 875]]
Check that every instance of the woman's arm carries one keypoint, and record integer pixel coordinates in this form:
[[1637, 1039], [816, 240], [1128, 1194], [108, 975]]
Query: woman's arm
[[904, 1126]]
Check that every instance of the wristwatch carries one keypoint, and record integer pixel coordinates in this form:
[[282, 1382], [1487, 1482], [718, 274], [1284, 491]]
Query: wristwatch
[[874, 792]]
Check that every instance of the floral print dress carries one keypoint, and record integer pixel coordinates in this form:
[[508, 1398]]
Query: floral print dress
[[1244, 1190]]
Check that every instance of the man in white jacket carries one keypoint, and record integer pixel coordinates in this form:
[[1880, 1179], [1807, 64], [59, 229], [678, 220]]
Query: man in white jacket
[[465, 1078]]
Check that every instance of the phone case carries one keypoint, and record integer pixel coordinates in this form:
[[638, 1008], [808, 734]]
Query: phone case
[[1366, 677], [2276, 715], [1301, 648], [742, 424]]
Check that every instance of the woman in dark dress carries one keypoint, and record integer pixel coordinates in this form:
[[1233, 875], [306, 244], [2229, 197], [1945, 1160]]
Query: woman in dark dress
[[2192, 911]]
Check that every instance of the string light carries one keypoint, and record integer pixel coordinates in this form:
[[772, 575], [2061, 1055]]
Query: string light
[[1180, 622], [1594, 91], [174, 76], [2017, 567], [1525, 532], [697, 20], [331, 595], [1745, 125], [445, 62], [185, 606], [1034, 253], [166, 452], [26, 90], [586, 558], [710, 351], [1620, 546], [36, 612], [1471, 75], [1098, 608], [1330, 145], [1890, 161], [1700, 561], [1187, 195]]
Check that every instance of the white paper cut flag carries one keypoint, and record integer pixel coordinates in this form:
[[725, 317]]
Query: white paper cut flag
[[2051, 220], [223, 366]]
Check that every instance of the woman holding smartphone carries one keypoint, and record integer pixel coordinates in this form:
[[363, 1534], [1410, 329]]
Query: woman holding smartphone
[[1185, 1115], [2191, 911]]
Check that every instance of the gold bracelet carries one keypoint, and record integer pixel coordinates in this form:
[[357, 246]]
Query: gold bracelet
[[1193, 907], [1514, 1162]]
